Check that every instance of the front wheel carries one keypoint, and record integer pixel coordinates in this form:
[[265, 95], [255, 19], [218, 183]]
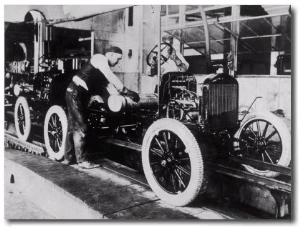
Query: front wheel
[[172, 162], [264, 137], [55, 132]]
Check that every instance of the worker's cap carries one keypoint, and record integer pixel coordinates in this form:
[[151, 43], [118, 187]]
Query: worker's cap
[[114, 49], [167, 38]]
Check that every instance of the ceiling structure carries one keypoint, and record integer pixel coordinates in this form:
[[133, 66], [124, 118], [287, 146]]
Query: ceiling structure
[[57, 13], [261, 30]]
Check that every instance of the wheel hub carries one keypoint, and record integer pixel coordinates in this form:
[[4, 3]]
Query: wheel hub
[[21, 118], [261, 144], [167, 160], [163, 163]]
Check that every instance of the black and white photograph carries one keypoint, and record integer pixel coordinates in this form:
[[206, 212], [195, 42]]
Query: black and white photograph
[[148, 112]]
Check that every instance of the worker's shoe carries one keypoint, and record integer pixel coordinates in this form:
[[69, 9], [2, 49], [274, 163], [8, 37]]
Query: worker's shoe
[[88, 165], [69, 162]]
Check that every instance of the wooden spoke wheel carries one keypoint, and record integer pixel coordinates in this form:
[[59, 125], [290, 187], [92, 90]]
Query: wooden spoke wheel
[[172, 162], [22, 118], [264, 137], [55, 132]]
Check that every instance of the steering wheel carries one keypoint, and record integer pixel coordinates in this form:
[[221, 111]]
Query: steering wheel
[[166, 50]]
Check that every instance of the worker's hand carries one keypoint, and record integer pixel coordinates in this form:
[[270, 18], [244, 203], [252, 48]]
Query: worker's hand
[[131, 94], [178, 61]]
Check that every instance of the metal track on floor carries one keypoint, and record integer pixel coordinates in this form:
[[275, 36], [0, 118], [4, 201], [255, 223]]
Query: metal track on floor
[[270, 183], [280, 189], [10, 140]]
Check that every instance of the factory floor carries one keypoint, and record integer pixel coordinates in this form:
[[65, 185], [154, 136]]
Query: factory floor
[[112, 191]]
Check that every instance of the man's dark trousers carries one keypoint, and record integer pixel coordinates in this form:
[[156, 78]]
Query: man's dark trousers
[[76, 100]]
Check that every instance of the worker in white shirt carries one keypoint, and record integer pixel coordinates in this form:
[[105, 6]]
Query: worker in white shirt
[[93, 79], [175, 61]]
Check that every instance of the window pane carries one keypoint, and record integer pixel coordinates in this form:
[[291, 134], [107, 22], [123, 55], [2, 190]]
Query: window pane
[[173, 10], [193, 17], [217, 13], [251, 63], [190, 8]]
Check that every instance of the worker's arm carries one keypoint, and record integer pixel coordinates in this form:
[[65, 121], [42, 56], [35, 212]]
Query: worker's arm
[[100, 62], [180, 61]]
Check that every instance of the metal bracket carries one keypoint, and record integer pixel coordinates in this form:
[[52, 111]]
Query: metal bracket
[[258, 97]]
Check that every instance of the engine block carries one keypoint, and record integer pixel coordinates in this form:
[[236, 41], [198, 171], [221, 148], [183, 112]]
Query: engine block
[[208, 100]]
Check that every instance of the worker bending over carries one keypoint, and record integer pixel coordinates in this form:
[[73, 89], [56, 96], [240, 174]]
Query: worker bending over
[[95, 78]]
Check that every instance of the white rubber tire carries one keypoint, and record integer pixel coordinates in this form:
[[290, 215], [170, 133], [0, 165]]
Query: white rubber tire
[[196, 161], [62, 118], [284, 134], [22, 105]]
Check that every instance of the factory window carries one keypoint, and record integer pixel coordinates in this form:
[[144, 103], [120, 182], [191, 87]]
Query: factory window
[[254, 64], [173, 10], [191, 8], [192, 13], [260, 34]]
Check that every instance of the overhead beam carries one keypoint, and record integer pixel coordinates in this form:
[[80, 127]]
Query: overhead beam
[[221, 20]]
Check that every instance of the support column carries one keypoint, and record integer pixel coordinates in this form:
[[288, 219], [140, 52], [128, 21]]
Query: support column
[[158, 18], [92, 43], [36, 48], [235, 28], [207, 40], [273, 69]]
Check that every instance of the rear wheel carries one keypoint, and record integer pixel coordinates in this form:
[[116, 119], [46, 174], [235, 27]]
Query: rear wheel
[[172, 162], [22, 118], [55, 132], [264, 137]]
